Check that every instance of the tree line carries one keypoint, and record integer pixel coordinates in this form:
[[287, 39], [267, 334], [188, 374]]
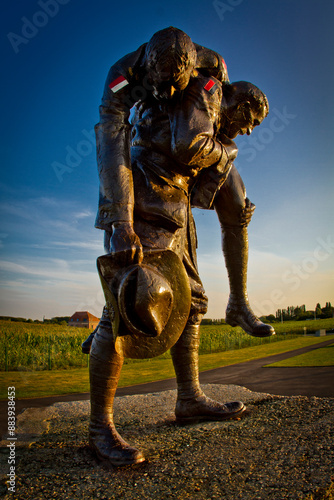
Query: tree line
[[291, 313], [57, 320], [299, 313]]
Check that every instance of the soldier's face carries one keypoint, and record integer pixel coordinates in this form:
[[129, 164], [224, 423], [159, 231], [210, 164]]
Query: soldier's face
[[242, 119]]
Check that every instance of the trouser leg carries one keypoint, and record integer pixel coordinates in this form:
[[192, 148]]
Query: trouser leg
[[104, 372], [234, 211], [235, 250], [185, 360], [238, 311]]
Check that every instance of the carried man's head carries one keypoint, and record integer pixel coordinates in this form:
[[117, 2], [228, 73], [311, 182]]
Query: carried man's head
[[244, 108], [170, 59]]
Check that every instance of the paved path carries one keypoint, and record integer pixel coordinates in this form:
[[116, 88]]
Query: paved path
[[310, 381]]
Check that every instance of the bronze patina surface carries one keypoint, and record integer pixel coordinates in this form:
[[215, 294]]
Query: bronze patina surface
[[150, 305], [175, 152]]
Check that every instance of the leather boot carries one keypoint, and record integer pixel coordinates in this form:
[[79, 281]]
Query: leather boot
[[192, 404], [239, 312], [104, 371]]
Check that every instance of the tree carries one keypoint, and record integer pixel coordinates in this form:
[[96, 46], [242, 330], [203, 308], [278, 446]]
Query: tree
[[270, 318], [327, 312], [318, 311]]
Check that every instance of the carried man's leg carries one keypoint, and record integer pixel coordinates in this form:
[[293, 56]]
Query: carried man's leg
[[234, 212]]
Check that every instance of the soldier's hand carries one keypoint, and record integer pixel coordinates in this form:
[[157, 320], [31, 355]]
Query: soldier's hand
[[230, 147], [125, 244], [247, 212]]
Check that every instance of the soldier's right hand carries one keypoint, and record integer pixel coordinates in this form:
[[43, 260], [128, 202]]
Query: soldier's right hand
[[125, 244]]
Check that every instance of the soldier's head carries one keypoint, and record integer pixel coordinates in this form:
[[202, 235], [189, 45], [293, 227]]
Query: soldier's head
[[244, 108], [170, 59]]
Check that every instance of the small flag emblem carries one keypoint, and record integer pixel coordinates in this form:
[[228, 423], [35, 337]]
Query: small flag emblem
[[118, 84], [211, 87]]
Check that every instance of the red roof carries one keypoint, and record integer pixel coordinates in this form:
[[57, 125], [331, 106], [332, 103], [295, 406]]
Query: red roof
[[82, 315]]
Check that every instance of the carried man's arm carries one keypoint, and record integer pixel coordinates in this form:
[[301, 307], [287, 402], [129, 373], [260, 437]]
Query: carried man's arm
[[194, 125]]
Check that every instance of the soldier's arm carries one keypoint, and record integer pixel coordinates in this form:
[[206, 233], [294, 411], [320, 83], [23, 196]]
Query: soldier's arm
[[194, 122], [113, 142], [195, 140], [116, 199]]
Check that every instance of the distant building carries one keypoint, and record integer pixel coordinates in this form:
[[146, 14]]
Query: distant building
[[83, 319]]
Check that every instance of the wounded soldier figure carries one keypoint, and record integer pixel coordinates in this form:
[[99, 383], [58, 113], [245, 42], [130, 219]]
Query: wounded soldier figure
[[156, 69], [181, 156]]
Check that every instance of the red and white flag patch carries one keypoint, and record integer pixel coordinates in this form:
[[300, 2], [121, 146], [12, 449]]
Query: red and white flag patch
[[118, 84], [211, 86], [224, 65]]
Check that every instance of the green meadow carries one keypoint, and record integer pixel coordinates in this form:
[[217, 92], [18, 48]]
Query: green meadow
[[323, 356], [36, 347]]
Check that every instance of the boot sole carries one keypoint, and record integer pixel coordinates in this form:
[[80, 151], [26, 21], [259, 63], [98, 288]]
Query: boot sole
[[115, 462], [258, 335]]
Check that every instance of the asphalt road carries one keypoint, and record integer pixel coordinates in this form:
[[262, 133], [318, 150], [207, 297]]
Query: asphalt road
[[309, 381]]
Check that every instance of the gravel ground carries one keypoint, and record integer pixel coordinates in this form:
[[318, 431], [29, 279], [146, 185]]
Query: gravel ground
[[281, 448]]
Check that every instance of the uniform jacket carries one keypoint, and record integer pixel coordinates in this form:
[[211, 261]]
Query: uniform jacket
[[127, 84], [177, 143]]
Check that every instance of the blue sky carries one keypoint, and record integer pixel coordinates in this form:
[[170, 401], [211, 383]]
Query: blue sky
[[56, 55]]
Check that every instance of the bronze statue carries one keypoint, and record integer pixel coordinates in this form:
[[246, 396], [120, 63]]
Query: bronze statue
[[135, 78], [181, 154]]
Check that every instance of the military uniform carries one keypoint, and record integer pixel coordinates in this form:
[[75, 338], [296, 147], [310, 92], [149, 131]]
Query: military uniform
[[178, 161], [127, 83], [171, 145], [153, 189]]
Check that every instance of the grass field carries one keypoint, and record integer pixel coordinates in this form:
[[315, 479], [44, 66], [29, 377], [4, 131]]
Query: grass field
[[324, 356], [35, 347], [28, 346], [30, 384]]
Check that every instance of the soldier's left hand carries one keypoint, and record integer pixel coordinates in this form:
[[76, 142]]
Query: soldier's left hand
[[247, 212]]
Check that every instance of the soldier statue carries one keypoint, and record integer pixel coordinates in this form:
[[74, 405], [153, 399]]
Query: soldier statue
[[173, 151]]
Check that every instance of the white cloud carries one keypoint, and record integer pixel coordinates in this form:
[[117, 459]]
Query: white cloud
[[83, 214], [50, 287], [51, 269], [91, 245]]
